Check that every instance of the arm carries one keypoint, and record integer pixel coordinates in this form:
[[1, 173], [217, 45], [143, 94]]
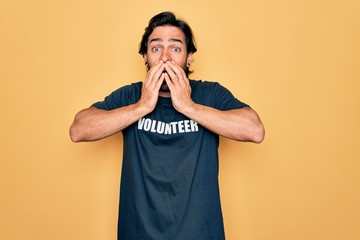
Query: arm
[[93, 124], [239, 124]]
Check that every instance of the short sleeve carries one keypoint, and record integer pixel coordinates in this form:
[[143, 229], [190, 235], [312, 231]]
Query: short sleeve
[[123, 96], [224, 99]]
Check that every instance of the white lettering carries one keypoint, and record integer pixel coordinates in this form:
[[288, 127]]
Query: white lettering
[[153, 126], [167, 128], [141, 123], [174, 124], [160, 127], [187, 125], [181, 126], [194, 126], [147, 124], [184, 126]]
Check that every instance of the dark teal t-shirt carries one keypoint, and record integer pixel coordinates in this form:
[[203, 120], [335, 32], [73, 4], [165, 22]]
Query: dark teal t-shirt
[[169, 182]]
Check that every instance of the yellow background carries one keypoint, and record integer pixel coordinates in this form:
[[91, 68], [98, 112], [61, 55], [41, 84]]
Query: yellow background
[[296, 62]]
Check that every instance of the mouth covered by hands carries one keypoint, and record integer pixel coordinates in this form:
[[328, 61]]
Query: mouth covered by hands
[[166, 79], [178, 84]]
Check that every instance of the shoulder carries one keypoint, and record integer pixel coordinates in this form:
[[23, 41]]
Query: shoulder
[[203, 92], [133, 87], [215, 95], [122, 96], [131, 91], [203, 84], [207, 87]]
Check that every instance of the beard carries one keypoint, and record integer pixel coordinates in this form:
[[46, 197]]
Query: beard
[[164, 87]]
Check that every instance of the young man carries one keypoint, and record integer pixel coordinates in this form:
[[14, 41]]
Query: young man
[[171, 127]]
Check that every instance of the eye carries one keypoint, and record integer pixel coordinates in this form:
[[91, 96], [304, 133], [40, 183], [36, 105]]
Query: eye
[[176, 49], [156, 49]]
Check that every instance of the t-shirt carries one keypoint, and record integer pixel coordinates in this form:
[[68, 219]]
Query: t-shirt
[[169, 182]]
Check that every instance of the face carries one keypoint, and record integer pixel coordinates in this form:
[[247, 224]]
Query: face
[[167, 43]]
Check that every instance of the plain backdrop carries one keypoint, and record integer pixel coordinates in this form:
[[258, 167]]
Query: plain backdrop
[[297, 63]]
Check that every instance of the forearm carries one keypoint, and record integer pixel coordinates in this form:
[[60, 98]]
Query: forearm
[[93, 124], [238, 124]]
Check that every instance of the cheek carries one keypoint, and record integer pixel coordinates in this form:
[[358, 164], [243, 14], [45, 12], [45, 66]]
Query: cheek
[[180, 60], [153, 58]]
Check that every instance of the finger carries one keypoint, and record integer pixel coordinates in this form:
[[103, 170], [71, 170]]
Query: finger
[[161, 79], [155, 69], [178, 71], [171, 73], [169, 82], [155, 73]]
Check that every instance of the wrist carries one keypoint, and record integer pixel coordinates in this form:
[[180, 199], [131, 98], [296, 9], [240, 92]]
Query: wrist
[[191, 109], [143, 107]]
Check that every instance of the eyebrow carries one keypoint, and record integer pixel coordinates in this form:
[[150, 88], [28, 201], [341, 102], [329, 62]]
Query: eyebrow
[[170, 40]]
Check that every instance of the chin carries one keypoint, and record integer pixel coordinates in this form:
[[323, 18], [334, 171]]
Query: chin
[[164, 87]]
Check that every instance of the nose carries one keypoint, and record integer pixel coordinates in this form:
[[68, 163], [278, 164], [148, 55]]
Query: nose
[[165, 56]]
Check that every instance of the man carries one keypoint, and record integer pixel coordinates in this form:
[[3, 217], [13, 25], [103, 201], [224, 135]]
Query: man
[[171, 127]]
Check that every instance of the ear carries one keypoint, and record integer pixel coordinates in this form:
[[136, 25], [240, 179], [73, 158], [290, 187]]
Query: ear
[[189, 58], [145, 58], [146, 62]]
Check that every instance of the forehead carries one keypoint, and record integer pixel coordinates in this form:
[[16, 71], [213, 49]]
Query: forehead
[[166, 33]]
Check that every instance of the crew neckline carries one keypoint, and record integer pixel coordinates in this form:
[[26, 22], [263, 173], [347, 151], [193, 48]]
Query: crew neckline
[[166, 100]]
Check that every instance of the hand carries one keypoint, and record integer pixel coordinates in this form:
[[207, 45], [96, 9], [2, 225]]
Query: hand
[[151, 86], [179, 86]]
